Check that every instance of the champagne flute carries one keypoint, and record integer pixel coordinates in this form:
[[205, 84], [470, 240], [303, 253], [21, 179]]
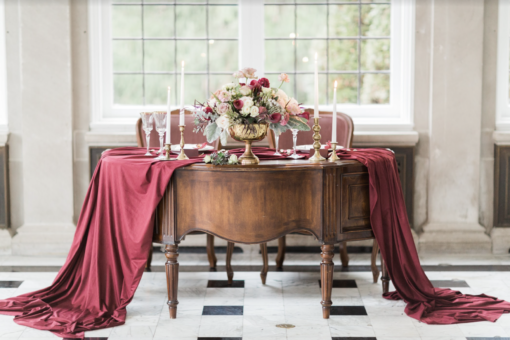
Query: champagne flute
[[147, 125], [294, 140], [160, 120], [276, 139]]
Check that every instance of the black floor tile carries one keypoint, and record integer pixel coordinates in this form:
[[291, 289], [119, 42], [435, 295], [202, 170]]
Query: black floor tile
[[219, 338], [449, 283], [222, 310], [348, 310], [224, 284], [201, 250], [343, 284], [10, 284]]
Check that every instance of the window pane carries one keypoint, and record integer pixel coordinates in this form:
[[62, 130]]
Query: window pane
[[159, 55], [347, 91], [311, 21], [305, 88], [127, 55], [343, 55], [190, 21], [218, 80], [343, 20], [156, 89], [223, 56], [195, 88], [279, 55], [223, 22], [279, 21], [375, 89], [126, 21], [192, 52], [306, 50], [509, 87], [128, 89], [375, 54], [375, 20], [158, 21]]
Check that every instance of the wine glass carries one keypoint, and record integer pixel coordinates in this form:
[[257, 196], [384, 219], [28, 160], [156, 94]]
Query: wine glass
[[294, 140], [160, 119], [276, 138], [147, 125]]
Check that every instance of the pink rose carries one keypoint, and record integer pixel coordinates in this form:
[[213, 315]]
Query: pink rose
[[262, 110], [283, 78], [224, 96], [238, 74], [249, 72], [285, 118], [293, 108], [223, 108], [264, 82]]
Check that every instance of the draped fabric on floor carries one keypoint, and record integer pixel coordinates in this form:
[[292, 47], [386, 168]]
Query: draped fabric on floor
[[113, 238]]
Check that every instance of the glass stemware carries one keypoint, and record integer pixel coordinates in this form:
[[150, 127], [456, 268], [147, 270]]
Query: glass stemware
[[160, 119], [276, 139], [147, 125], [294, 140]]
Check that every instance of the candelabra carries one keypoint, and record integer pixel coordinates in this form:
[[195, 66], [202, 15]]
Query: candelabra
[[317, 142]]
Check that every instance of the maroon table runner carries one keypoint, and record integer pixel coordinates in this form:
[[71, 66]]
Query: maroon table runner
[[114, 232]]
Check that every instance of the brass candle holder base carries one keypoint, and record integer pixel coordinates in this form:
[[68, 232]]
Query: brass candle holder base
[[166, 157], [317, 142], [182, 155], [334, 157]]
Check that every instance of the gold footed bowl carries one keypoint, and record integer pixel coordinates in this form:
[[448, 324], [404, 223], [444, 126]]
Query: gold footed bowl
[[249, 134]]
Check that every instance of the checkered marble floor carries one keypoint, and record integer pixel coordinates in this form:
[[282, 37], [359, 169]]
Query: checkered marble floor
[[210, 309]]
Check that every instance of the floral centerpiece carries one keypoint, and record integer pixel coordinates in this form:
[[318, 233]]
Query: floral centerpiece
[[245, 110]]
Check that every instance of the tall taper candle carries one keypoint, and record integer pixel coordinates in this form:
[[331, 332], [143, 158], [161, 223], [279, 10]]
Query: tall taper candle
[[333, 133], [168, 122], [181, 113], [316, 89]]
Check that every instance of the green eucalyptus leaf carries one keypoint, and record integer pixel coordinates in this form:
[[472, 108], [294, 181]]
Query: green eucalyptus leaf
[[298, 123], [212, 132]]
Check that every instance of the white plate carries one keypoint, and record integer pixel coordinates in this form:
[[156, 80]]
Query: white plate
[[310, 146], [191, 146]]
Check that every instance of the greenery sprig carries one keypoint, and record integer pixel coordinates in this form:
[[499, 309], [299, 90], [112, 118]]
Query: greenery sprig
[[221, 157]]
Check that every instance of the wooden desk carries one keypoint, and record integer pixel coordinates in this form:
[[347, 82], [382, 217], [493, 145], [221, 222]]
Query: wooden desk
[[260, 203]]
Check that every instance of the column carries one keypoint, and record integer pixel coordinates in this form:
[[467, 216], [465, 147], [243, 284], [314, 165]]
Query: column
[[455, 130], [46, 129]]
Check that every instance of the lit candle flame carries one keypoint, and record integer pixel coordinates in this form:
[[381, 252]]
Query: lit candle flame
[[183, 63], [168, 88], [336, 83]]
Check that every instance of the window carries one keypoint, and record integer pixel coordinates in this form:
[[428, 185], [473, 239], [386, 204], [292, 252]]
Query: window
[[367, 45], [3, 72], [503, 76]]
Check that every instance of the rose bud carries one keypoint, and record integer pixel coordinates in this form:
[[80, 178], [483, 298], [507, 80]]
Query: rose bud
[[208, 110], [264, 82], [253, 82], [275, 117], [238, 104]]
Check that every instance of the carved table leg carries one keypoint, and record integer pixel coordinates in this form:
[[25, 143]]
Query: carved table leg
[[211, 256], [172, 278], [230, 272], [344, 257], [281, 253], [375, 252], [149, 259], [265, 261], [328, 252], [385, 278]]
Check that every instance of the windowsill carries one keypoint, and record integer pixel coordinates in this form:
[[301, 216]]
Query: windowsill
[[501, 137]]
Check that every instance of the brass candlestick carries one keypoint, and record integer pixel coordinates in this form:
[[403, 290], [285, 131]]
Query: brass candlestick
[[333, 157], [168, 149], [182, 155], [317, 142]]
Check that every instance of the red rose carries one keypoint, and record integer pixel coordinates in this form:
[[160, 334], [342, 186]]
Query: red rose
[[238, 104], [208, 110], [253, 82], [305, 115], [264, 82], [275, 117]]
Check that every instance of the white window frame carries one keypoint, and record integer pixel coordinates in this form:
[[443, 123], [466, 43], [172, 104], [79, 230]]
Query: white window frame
[[396, 116], [3, 72], [502, 98]]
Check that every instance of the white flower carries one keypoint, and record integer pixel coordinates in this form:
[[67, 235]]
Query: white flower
[[254, 112], [212, 102], [245, 90], [249, 72], [228, 86], [232, 159], [223, 122], [248, 102], [207, 159], [238, 74], [267, 90], [246, 110]]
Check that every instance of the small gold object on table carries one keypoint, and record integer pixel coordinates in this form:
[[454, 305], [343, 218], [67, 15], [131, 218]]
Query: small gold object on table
[[333, 157], [317, 142], [248, 134], [182, 155], [166, 156]]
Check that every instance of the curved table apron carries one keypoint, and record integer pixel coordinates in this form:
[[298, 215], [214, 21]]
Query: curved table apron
[[260, 203]]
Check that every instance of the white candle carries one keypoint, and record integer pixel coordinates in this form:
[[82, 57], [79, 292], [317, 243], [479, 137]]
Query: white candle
[[168, 113], [333, 133], [181, 114], [316, 90]]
